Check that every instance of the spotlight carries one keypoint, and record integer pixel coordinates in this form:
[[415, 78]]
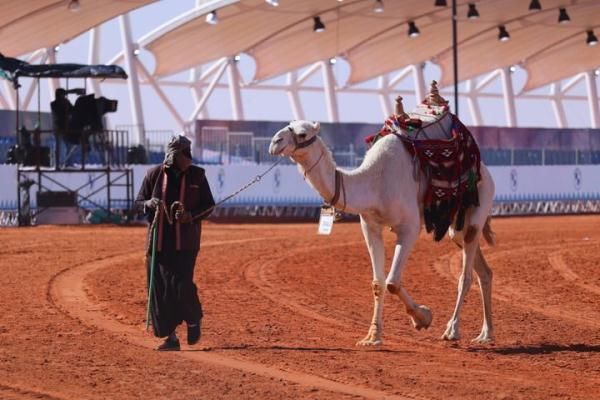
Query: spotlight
[[512, 69], [535, 5], [74, 6], [472, 13], [503, 35], [136, 52], [211, 18], [597, 72], [332, 60], [56, 49], [274, 3], [236, 58], [440, 3], [591, 40], [413, 31], [318, 26], [378, 8], [563, 17]]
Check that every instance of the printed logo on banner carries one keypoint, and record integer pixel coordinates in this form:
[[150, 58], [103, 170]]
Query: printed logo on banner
[[276, 180], [577, 176], [514, 181], [221, 180]]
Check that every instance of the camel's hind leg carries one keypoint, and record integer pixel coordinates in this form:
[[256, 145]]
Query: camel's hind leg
[[484, 273], [374, 239], [407, 236], [469, 250]]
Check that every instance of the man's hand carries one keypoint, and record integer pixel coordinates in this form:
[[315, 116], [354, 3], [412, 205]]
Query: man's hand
[[152, 204], [184, 217]]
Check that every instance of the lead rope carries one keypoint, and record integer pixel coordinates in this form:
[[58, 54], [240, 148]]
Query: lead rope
[[256, 179]]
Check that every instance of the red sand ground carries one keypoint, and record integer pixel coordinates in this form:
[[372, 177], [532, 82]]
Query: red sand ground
[[284, 308]]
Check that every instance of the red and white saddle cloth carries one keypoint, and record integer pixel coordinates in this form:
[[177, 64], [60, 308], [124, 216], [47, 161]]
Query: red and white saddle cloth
[[447, 155]]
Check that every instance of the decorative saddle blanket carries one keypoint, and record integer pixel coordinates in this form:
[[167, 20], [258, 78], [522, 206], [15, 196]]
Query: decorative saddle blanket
[[448, 156]]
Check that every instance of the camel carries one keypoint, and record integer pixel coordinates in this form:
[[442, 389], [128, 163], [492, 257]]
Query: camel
[[384, 193]]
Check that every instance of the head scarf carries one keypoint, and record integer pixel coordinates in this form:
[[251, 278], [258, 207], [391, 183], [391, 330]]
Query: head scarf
[[178, 145]]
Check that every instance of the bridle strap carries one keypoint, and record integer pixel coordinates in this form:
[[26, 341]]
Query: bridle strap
[[338, 182], [301, 145]]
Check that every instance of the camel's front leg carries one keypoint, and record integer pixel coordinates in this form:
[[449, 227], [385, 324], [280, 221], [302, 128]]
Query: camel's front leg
[[419, 314], [374, 240]]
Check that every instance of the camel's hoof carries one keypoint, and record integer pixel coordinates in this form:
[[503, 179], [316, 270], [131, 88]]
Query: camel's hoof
[[369, 342], [484, 338], [421, 317], [451, 333]]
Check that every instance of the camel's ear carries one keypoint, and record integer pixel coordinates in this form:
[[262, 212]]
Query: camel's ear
[[316, 126]]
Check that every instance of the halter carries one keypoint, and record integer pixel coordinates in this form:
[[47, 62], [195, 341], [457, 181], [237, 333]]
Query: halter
[[301, 145]]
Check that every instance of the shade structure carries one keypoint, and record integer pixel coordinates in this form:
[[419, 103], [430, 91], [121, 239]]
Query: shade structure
[[28, 25], [533, 37], [281, 39]]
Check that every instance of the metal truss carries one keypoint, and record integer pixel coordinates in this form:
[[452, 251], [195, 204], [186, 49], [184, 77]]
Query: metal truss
[[546, 207]]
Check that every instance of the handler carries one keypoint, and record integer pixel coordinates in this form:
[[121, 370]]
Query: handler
[[174, 297]]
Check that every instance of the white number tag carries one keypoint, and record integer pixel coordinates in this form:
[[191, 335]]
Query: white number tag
[[326, 220]]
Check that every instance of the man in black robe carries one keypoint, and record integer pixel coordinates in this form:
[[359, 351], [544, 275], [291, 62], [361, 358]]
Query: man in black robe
[[174, 297]]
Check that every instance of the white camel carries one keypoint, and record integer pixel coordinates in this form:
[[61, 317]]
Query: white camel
[[384, 193]]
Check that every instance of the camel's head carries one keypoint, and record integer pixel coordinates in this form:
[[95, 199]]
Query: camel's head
[[295, 137]]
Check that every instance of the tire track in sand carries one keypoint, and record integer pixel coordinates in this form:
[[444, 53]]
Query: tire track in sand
[[67, 293], [16, 393]]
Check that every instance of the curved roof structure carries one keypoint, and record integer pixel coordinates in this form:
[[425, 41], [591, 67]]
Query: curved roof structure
[[26, 26], [281, 38]]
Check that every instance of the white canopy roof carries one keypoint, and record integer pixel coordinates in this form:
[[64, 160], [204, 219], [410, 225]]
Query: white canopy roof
[[282, 39], [28, 25]]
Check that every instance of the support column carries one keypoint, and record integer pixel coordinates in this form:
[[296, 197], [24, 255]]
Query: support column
[[384, 96], [133, 83], [195, 74], [293, 95], [419, 81], [330, 94], [592, 92], [472, 103], [235, 93], [559, 111], [94, 57], [53, 83], [509, 97]]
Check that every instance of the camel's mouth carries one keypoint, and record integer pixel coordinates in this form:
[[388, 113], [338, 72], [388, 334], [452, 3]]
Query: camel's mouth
[[276, 147]]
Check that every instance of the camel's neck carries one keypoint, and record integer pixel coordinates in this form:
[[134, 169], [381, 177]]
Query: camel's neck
[[319, 168]]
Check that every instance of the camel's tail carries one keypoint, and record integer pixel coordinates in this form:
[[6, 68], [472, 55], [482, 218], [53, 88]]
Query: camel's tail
[[488, 233]]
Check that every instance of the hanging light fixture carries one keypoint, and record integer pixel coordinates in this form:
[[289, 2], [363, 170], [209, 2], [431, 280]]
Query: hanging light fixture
[[273, 3], [413, 31], [440, 3], [472, 13], [535, 5], [503, 35], [563, 17], [211, 18], [318, 26], [74, 6], [378, 8], [591, 40]]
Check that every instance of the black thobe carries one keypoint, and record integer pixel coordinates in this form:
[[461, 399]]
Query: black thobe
[[174, 295]]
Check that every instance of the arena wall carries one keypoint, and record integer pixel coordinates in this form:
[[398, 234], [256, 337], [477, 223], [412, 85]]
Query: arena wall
[[285, 186]]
